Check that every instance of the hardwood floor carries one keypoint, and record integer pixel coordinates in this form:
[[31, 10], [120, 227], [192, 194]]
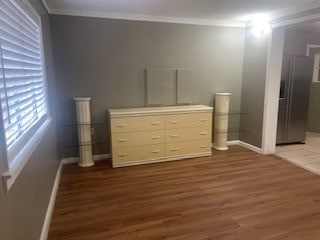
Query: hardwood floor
[[236, 194]]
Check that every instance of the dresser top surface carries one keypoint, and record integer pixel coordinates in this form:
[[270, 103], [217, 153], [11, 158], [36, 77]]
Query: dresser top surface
[[157, 110]]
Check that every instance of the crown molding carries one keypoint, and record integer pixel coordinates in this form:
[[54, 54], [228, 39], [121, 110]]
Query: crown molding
[[46, 5], [148, 18], [295, 20], [291, 11], [291, 15], [296, 14], [291, 19]]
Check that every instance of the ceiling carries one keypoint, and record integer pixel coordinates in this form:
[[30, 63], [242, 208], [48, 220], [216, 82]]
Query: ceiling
[[225, 12]]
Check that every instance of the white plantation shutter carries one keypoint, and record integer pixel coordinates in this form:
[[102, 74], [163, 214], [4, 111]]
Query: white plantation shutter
[[22, 83]]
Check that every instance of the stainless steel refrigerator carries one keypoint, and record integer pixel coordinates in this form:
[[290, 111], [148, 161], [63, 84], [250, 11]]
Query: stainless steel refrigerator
[[296, 79]]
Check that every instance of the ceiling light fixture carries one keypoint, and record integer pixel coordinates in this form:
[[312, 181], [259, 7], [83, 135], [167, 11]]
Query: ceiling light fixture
[[260, 24]]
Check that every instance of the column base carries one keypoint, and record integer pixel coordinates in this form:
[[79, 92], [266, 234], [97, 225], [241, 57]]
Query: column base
[[221, 148], [86, 164]]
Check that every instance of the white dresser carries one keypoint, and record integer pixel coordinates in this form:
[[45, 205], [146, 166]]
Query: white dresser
[[158, 134]]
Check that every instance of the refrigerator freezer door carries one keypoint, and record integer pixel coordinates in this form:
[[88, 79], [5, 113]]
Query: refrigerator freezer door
[[298, 101], [283, 99]]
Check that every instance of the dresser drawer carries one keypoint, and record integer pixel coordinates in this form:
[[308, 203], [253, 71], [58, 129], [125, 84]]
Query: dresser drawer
[[188, 120], [183, 148], [129, 154], [188, 134], [131, 124], [138, 138]]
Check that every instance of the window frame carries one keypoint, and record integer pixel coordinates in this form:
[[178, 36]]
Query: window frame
[[316, 63], [316, 68], [30, 139]]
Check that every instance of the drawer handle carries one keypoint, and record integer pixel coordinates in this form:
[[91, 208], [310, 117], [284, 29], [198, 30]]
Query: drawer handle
[[203, 120], [155, 137], [155, 151], [155, 123], [174, 122], [174, 149], [123, 155], [174, 135], [122, 125], [122, 140], [203, 133], [203, 146]]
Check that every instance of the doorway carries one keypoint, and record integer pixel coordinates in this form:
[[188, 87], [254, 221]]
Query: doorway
[[302, 41]]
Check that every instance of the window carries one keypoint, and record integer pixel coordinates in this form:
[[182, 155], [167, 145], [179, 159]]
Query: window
[[316, 68], [23, 94]]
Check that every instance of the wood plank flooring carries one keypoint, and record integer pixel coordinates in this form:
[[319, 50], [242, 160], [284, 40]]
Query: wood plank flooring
[[234, 195]]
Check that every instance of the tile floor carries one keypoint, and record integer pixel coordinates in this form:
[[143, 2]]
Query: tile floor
[[306, 155]]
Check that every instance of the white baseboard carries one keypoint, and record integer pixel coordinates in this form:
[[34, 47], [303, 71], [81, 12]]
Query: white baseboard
[[250, 147], [54, 191], [234, 142], [76, 159], [229, 143], [244, 144]]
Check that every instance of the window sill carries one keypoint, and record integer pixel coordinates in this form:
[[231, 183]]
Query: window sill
[[24, 155]]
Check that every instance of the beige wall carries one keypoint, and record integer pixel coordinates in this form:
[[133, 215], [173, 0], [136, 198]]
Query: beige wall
[[105, 59], [23, 208], [253, 88], [314, 109], [296, 42]]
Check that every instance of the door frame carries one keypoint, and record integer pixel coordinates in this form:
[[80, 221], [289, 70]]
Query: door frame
[[273, 77]]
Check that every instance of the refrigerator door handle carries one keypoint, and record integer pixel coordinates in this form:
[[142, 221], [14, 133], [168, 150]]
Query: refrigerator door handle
[[289, 99], [292, 78]]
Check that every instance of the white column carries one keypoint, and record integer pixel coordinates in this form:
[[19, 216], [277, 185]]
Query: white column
[[272, 89], [84, 131], [221, 117]]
